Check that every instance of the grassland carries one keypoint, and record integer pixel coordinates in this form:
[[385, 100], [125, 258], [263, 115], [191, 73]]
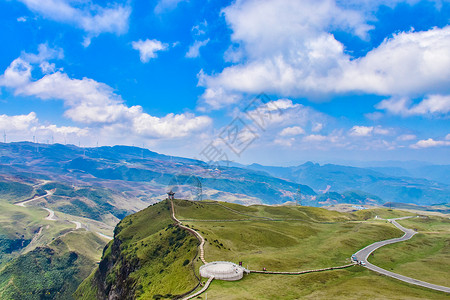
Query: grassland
[[425, 257], [301, 238], [40, 258], [51, 272], [149, 259]]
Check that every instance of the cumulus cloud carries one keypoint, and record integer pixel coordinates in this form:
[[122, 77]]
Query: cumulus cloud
[[283, 113], [25, 127], [290, 131], [430, 143], [431, 105], [18, 123], [289, 51], [194, 49], [96, 104], [148, 49], [92, 18], [314, 138], [361, 131]]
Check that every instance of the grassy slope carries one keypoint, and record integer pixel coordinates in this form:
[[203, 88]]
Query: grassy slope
[[428, 251], [52, 272], [158, 253], [297, 245]]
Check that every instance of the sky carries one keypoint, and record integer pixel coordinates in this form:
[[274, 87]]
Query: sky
[[276, 82]]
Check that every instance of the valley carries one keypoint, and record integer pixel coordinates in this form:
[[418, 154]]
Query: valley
[[63, 205]]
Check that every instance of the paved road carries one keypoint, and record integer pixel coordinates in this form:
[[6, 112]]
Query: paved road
[[105, 236], [51, 214], [364, 253], [77, 224], [49, 193]]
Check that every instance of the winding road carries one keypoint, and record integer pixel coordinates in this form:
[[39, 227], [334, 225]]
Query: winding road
[[364, 253], [22, 203]]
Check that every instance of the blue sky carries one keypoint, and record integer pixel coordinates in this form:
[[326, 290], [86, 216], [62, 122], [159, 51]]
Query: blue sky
[[344, 80]]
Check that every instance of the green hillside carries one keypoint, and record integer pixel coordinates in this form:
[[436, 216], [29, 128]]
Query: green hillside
[[53, 271], [428, 251], [151, 259], [42, 258], [148, 259]]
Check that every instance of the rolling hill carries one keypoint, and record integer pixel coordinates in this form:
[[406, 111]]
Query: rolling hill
[[151, 259], [389, 188]]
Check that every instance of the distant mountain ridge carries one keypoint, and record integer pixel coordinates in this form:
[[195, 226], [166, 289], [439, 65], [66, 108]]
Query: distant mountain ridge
[[144, 177], [336, 178]]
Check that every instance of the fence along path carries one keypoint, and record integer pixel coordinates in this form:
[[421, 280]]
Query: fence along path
[[302, 272]]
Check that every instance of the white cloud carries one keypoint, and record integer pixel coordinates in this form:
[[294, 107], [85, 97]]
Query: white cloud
[[289, 51], [17, 74], [18, 123], [283, 113], [200, 29], [406, 137], [369, 131], [381, 131], [194, 49], [429, 143], [286, 142], [447, 137], [166, 5], [148, 49], [315, 138], [361, 131], [317, 127], [21, 19], [92, 18], [90, 102], [289, 131], [433, 104], [19, 71]]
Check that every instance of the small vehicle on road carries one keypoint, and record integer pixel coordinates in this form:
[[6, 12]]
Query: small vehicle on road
[[362, 263]]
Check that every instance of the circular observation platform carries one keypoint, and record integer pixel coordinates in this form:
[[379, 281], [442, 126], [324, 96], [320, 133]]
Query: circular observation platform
[[222, 270]]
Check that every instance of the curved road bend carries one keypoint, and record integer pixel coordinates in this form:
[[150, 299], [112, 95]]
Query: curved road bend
[[364, 253]]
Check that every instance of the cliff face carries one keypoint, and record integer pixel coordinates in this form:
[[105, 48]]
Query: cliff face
[[119, 284], [149, 258]]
